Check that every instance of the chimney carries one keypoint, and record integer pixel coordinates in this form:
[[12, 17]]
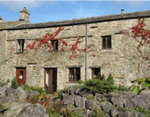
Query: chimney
[[24, 15], [122, 11]]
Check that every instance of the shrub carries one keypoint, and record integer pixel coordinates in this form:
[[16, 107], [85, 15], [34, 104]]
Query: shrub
[[59, 94], [14, 83], [102, 77], [80, 81], [110, 79], [120, 88], [98, 86], [142, 84], [65, 90], [39, 89], [26, 87]]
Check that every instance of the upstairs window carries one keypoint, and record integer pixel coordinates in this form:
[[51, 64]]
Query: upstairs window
[[54, 45], [74, 74], [106, 42], [95, 72], [20, 48]]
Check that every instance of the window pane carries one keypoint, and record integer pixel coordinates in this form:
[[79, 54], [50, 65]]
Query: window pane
[[77, 74], [21, 75], [54, 44], [109, 42], [104, 42], [71, 77], [95, 72], [22, 45], [47, 80]]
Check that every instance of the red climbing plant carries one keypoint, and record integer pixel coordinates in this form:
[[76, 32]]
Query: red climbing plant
[[139, 31], [46, 40]]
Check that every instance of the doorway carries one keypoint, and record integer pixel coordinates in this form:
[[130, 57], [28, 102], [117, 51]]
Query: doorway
[[21, 76], [50, 79]]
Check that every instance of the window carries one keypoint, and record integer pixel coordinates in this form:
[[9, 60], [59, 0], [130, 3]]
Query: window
[[74, 74], [54, 45], [106, 40], [95, 72], [20, 48]]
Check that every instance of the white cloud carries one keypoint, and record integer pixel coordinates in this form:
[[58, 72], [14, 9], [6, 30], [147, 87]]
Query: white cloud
[[86, 13], [19, 4], [136, 3], [133, 3]]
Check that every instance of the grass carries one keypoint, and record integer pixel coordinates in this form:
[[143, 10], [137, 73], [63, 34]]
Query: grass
[[144, 111], [4, 83], [91, 97], [55, 115]]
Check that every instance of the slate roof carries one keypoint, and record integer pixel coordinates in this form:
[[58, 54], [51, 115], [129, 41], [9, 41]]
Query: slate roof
[[132, 15], [9, 24]]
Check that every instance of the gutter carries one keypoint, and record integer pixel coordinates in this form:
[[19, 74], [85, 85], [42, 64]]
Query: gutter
[[86, 39]]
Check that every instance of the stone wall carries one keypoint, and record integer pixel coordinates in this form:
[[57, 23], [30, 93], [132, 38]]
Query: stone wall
[[116, 60]]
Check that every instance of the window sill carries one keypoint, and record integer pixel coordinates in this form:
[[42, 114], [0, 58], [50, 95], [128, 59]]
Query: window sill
[[106, 48], [72, 82], [19, 53]]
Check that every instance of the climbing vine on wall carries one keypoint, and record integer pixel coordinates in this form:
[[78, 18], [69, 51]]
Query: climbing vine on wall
[[142, 37], [63, 44]]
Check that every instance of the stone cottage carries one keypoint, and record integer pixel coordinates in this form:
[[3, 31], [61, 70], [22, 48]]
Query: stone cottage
[[114, 51]]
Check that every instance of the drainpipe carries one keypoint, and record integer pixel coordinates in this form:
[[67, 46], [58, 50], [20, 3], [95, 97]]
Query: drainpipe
[[86, 38]]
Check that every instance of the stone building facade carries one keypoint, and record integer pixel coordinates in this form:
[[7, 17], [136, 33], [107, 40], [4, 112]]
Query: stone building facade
[[114, 51]]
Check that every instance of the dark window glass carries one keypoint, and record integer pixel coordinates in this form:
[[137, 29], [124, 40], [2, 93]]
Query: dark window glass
[[54, 45], [20, 45], [74, 74], [106, 43], [95, 72]]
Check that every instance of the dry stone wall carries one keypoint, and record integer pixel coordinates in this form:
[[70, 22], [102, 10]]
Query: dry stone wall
[[115, 61]]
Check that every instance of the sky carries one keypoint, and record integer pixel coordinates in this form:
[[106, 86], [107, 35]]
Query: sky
[[49, 11]]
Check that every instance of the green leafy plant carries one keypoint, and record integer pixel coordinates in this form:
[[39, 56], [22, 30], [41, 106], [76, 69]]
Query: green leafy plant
[[144, 111], [98, 86], [80, 82], [71, 114], [136, 89], [39, 89], [97, 113], [143, 82], [59, 94], [102, 77], [54, 114], [110, 79], [90, 97], [14, 83], [65, 90], [120, 88], [4, 83], [26, 87]]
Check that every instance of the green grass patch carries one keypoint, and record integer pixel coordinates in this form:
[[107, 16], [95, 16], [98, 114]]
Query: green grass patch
[[144, 111]]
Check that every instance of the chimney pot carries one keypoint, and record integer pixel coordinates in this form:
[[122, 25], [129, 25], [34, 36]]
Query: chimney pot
[[122, 11]]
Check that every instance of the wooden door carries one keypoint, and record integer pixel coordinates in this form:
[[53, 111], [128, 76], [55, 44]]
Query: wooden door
[[21, 76], [50, 80]]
